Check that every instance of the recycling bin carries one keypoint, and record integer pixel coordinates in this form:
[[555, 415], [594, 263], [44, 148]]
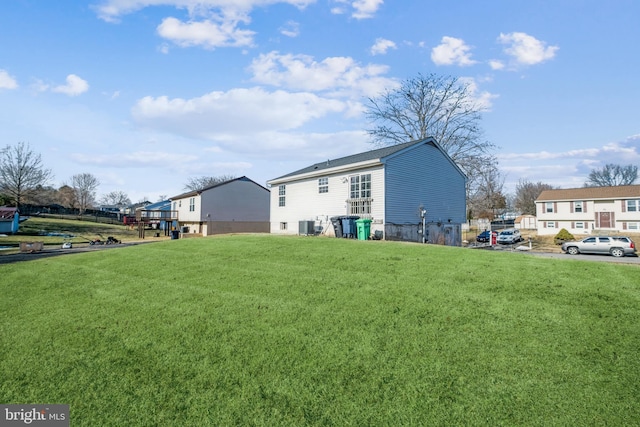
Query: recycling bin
[[349, 226], [364, 228]]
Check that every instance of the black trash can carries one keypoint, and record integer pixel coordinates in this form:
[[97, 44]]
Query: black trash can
[[175, 234], [349, 226], [337, 225]]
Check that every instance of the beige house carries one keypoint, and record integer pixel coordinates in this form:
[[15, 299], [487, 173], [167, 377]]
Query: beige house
[[239, 205], [589, 210]]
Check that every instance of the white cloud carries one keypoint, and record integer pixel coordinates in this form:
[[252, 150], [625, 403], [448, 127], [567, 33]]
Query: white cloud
[[482, 98], [452, 51], [7, 81], [381, 46], [290, 29], [207, 34], [365, 8], [569, 168], [525, 49], [218, 116], [112, 10], [336, 76], [135, 159], [361, 9], [211, 23], [74, 86], [496, 64]]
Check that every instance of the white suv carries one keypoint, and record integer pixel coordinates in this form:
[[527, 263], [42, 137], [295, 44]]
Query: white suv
[[510, 235]]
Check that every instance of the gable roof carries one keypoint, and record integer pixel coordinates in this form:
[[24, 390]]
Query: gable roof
[[220, 184], [591, 193], [8, 213], [379, 154]]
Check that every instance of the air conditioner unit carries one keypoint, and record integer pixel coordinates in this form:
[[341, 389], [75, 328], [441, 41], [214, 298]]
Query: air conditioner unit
[[306, 228]]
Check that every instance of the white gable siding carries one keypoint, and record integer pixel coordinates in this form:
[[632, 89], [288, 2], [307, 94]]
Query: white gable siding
[[182, 206], [424, 176], [303, 201]]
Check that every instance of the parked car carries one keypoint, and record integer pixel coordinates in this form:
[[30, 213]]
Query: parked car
[[510, 235], [483, 237], [617, 246]]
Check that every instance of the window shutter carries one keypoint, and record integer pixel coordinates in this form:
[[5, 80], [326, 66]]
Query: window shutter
[[624, 205], [544, 224], [573, 224], [584, 206], [571, 207], [555, 207], [556, 224], [624, 225]]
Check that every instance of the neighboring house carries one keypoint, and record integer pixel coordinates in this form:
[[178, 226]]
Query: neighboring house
[[131, 209], [589, 210], [158, 215], [393, 186], [9, 220], [109, 208], [236, 206], [526, 222]]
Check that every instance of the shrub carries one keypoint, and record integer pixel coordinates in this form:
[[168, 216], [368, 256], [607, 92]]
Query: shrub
[[563, 236]]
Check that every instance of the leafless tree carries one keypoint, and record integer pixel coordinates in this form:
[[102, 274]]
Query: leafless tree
[[21, 172], [66, 196], [199, 183], [84, 186], [487, 198], [116, 198], [442, 107], [612, 175], [526, 195]]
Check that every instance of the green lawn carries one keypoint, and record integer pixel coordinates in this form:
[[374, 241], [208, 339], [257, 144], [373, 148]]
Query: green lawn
[[273, 331]]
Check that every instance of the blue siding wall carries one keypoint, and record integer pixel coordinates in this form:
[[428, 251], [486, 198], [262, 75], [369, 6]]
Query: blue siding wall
[[423, 176]]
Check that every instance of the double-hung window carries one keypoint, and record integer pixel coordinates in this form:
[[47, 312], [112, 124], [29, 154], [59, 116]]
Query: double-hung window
[[323, 185], [633, 205], [577, 207], [192, 204], [282, 192], [549, 207], [360, 194]]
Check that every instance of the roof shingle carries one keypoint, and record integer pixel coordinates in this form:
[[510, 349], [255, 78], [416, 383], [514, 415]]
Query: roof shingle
[[591, 193]]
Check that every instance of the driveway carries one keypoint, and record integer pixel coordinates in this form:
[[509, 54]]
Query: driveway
[[561, 255], [49, 252], [588, 257]]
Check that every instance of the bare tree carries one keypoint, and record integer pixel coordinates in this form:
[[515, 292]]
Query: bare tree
[[526, 195], [66, 196], [84, 186], [21, 172], [438, 107], [487, 198], [199, 183], [612, 175], [116, 198]]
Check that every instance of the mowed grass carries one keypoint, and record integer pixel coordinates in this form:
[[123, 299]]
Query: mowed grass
[[293, 331]]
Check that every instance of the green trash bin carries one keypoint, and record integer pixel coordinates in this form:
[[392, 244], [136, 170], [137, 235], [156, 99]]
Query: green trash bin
[[364, 228]]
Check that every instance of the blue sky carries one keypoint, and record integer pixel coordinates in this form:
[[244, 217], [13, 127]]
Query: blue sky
[[145, 94]]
